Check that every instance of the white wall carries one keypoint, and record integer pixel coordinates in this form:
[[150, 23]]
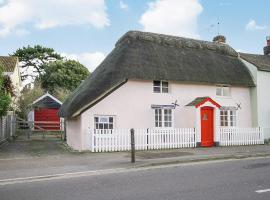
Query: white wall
[[131, 106], [260, 98], [263, 93]]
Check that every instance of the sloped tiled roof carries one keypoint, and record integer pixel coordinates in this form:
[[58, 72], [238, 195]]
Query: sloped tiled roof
[[8, 63], [201, 100]]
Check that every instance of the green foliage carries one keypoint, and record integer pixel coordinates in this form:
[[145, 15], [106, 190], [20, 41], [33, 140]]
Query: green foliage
[[5, 98], [63, 74], [61, 93], [7, 84], [35, 58], [28, 95]]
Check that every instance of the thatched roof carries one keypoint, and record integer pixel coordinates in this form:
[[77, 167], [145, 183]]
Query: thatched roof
[[262, 62], [8, 63], [149, 56]]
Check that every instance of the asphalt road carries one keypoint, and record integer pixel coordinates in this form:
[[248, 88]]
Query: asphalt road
[[223, 180]]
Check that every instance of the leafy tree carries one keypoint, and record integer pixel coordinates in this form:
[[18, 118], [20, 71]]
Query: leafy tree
[[28, 95], [66, 74], [32, 60], [5, 98], [61, 93]]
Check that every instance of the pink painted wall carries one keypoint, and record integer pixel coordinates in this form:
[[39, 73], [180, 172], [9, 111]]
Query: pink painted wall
[[131, 106], [75, 133]]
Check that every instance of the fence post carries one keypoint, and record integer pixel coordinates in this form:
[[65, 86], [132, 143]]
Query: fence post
[[132, 138], [65, 129]]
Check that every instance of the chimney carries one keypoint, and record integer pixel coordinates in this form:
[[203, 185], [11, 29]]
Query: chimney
[[266, 49], [219, 39]]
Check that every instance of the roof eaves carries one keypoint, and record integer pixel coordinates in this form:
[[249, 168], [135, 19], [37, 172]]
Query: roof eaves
[[98, 99]]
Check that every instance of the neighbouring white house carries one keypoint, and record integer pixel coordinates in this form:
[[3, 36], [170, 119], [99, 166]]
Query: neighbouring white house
[[11, 68], [259, 66], [10, 65], [154, 82]]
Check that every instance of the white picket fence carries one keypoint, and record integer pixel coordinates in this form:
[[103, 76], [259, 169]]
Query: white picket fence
[[119, 139], [241, 136]]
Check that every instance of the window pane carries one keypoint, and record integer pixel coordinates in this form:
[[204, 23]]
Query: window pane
[[166, 124], [96, 119], [103, 119], [165, 84], [106, 126], [110, 126], [100, 126], [157, 83], [226, 91], [157, 89], [165, 90], [110, 119], [219, 91]]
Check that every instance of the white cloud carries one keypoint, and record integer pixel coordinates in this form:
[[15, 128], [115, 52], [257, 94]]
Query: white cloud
[[21, 32], [89, 60], [253, 26], [52, 13], [123, 6], [176, 17]]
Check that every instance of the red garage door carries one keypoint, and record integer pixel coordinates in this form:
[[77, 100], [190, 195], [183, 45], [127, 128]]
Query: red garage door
[[47, 115]]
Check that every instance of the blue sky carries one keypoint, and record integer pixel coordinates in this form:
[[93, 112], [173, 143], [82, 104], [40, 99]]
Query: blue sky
[[86, 30]]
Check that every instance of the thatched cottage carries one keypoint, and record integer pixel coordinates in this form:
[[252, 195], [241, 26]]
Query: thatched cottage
[[155, 81]]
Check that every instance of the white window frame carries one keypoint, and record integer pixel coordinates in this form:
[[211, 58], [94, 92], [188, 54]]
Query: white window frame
[[161, 86], [228, 118], [160, 118], [96, 123], [222, 91]]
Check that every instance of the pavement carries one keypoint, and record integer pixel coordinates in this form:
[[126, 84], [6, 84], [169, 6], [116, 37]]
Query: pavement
[[31, 158], [220, 180]]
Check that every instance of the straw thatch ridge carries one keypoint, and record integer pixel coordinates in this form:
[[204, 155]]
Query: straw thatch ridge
[[149, 56], [262, 62], [8, 63]]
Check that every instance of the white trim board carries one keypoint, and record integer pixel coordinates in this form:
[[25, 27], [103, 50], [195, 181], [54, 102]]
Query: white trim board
[[47, 95]]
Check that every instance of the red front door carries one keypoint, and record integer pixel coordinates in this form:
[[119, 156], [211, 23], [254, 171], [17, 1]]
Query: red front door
[[207, 126]]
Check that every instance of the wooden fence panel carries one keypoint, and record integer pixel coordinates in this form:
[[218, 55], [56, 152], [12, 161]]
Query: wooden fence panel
[[119, 139], [231, 136]]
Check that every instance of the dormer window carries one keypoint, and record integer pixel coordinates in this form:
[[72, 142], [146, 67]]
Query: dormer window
[[160, 86], [224, 91]]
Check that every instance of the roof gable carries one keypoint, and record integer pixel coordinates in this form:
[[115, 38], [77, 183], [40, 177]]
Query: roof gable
[[48, 101], [8, 63], [149, 56], [202, 100]]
